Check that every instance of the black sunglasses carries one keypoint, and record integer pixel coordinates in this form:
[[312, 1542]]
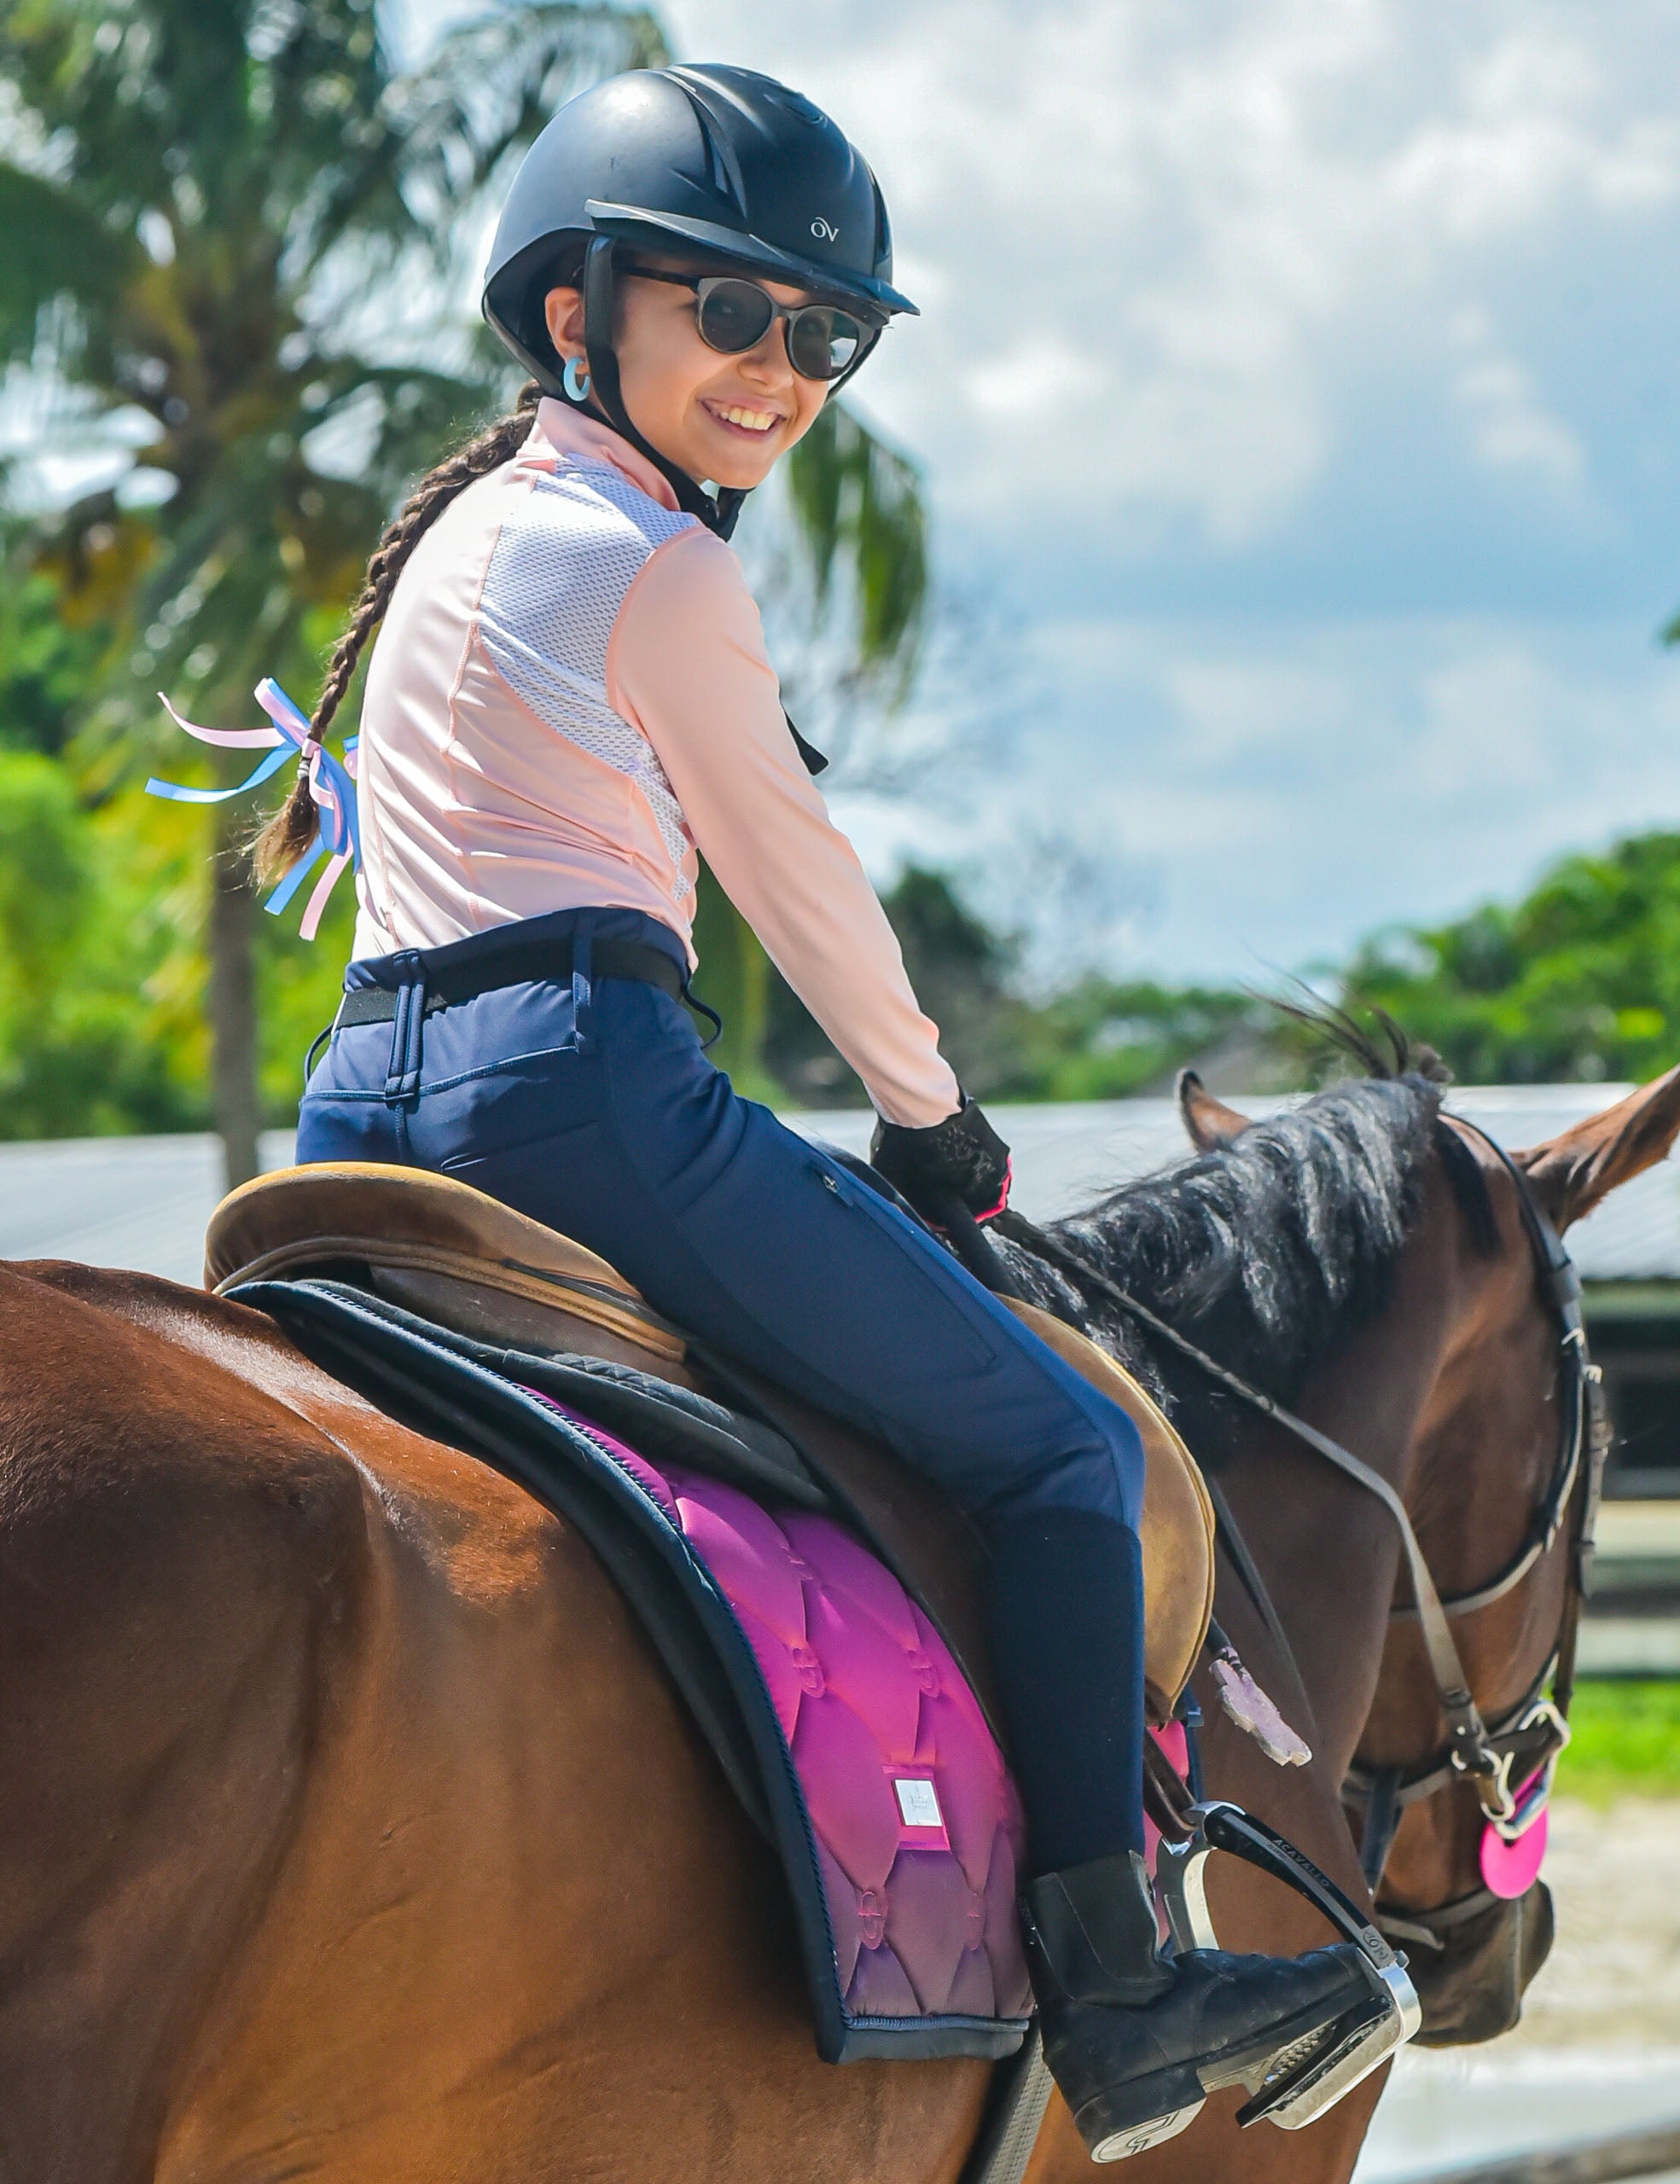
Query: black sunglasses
[[734, 315]]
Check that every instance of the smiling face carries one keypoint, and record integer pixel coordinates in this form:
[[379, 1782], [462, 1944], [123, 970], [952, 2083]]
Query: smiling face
[[722, 418]]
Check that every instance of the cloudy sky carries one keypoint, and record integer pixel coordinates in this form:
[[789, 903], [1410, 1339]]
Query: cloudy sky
[[1297, 386]]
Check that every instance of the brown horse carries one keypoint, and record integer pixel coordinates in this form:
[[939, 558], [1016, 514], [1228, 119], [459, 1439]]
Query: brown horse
[[349, 1830]]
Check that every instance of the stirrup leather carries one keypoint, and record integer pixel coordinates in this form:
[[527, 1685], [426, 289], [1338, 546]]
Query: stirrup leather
[[1298, 2084]]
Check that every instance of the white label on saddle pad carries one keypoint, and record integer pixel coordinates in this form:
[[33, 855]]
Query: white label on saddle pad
[[918, 1802]]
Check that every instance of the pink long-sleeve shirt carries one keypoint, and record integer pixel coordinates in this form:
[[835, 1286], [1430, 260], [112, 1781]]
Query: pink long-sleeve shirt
[[569, 698]]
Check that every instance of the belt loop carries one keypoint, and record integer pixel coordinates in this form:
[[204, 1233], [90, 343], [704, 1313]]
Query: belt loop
[[315, 1046], [402, 1078], [583, 982]]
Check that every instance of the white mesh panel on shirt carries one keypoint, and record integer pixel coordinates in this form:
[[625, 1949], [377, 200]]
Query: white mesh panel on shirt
[[568, 552]]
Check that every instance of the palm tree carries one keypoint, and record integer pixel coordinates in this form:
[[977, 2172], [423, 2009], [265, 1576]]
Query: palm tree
[[232, 227]]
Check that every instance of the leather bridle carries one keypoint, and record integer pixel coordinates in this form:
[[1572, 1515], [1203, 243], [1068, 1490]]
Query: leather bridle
[[1509, 1761], [1524, 1743]]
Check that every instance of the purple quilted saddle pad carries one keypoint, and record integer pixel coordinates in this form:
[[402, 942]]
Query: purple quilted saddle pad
[[913, 1828]]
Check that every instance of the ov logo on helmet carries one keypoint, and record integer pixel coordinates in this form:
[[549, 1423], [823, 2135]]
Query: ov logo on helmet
[[821, 227]]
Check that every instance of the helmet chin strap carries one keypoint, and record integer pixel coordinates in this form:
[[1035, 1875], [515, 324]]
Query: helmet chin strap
[[719, 514]]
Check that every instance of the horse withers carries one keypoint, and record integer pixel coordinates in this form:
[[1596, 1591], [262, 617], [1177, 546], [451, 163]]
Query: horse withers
[[349, 1828]]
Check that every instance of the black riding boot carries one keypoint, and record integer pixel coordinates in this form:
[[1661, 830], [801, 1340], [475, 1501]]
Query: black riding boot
[[1133, 2040], [1136, 2041]]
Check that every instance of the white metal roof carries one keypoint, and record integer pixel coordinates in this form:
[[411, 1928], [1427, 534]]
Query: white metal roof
[[143, 1201]]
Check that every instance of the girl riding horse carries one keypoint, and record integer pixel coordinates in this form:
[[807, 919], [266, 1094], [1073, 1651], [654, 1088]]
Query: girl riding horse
[[570, 704]]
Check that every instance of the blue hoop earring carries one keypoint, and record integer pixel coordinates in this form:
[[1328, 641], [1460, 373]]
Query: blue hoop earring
[[575, 380]]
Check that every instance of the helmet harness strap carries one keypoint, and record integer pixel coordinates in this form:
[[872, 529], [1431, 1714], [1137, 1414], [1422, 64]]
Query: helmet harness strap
[[719, 514]]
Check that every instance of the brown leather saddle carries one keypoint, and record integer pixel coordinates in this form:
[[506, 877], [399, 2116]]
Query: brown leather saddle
[[465, 1262]]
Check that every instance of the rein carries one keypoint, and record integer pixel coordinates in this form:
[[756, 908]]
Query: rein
[[1532, 1735]]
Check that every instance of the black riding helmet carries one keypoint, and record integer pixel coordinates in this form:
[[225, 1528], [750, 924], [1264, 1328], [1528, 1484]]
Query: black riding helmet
[[721, 165]]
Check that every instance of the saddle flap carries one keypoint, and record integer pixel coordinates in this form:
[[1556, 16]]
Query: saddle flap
[[1177, 1529]]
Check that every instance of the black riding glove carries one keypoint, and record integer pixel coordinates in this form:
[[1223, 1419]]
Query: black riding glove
[[961, 1157]]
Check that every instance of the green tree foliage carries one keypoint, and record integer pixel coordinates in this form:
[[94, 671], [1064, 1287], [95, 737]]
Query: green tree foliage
[[861, 515], [1098, 1039], [218, 215], [95, 1034], [1579, 979], [47, 667]]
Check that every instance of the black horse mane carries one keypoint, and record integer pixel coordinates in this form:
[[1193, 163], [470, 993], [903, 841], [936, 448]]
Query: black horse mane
[[1270, 1251]]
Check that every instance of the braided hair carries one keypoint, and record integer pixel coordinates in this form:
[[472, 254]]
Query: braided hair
[[289, 832]]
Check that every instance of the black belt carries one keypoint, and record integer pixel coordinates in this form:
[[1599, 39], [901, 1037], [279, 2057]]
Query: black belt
[[525, 961]]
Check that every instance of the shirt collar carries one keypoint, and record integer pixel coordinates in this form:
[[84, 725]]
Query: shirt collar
[[569, 434]]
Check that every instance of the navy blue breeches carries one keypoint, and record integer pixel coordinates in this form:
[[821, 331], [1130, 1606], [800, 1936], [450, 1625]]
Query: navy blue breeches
[[592, 1108]]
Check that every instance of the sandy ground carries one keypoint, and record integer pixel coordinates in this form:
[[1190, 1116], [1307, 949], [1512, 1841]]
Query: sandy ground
[[1614, 1977]]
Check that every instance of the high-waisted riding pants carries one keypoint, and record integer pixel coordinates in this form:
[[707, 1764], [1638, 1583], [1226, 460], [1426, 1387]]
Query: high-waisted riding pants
[[589, 1105]]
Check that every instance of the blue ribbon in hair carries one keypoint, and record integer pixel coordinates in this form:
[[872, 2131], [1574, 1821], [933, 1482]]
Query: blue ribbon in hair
[[331, 787]]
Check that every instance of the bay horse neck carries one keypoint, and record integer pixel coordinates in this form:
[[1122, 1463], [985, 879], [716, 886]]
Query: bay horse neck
[[1329, 1550]]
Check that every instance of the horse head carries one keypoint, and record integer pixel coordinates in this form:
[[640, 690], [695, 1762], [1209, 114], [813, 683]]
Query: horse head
[[1501, 1489], [1500, 1495]]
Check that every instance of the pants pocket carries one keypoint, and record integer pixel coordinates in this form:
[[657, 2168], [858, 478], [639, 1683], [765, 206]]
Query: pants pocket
[[829, 1270]]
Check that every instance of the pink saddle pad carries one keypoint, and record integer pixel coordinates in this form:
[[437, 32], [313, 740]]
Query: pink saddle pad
[[916, 1826]]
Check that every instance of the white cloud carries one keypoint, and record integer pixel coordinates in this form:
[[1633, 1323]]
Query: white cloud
[[1169, 241], [1283, 789], [1037, 373], [1509, 427]]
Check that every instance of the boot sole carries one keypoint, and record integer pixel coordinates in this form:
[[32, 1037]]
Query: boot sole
[[1113, 2135], [1149, 2111]]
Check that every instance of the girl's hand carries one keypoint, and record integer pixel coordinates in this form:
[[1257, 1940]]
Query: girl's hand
[[961, 1157]]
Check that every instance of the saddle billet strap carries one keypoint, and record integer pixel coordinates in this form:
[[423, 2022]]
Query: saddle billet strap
[[520, 963]]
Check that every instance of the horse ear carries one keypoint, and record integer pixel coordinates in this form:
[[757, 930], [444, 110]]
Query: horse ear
[[1209, 1122], [1570, 1173]]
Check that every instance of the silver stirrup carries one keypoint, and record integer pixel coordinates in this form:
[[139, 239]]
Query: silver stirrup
[[1295, 2086]]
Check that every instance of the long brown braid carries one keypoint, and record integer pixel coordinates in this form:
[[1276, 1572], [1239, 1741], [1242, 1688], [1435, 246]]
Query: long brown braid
[[289, 832]]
